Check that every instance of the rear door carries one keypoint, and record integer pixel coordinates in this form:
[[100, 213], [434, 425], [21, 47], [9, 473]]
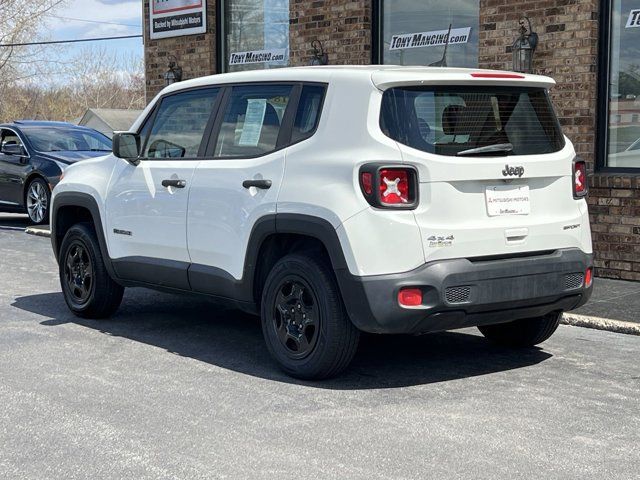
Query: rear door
[[495, 173], [238, 181], [146, 204]]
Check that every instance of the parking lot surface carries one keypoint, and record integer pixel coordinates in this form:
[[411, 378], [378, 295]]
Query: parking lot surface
[[178, 387]]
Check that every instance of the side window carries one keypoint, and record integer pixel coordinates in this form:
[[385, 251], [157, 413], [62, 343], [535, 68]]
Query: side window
[[7, 137], [252, 120], [179, 125], [308, 113]]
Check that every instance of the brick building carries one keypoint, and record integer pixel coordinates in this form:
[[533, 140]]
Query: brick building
[[591, 48]]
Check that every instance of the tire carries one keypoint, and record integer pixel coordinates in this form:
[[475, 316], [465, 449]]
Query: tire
[[523, 333], [86, 285], [304, 321], [37, 199]]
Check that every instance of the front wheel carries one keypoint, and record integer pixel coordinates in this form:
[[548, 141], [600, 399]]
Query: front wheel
[[86, 285], [304, 322], [523, 333], [37, 199]]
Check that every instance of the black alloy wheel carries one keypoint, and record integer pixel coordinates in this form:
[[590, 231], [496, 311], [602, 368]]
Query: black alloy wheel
[[304, 320], [88, 289], [78, 272], [295, 317]]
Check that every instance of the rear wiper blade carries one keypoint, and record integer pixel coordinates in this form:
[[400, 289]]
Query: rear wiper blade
[[497, 148]]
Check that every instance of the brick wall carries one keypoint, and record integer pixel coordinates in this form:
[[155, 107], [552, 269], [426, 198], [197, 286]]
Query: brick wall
[[568, 52], [343, 27], [195, 53]]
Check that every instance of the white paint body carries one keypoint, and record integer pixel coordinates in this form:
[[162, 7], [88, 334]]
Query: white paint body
[[210, 221]]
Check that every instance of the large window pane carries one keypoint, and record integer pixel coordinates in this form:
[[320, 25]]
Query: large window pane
[[402, 19], [179, 126], [252, 120], [256, 34], [624, 85]]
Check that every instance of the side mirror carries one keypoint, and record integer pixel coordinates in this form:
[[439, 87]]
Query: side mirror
[[127, 145], [14, 149]]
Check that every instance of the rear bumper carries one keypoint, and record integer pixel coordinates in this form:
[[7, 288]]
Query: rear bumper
[[462, 293]]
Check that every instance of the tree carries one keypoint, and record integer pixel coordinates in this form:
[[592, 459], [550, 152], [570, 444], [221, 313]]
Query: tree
[[20, 22]]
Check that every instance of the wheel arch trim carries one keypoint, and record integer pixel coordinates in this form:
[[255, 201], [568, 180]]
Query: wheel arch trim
[[86, 201]]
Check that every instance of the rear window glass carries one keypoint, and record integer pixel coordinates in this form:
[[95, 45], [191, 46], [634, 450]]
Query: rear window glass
[[471, 120]]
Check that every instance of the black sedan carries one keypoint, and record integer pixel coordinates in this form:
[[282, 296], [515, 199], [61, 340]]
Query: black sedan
[[33, 155]]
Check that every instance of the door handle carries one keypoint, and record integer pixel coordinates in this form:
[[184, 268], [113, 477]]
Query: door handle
[[174, 183], [261, 184]]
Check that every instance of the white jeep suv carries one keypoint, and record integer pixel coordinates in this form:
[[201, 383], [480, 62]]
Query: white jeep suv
[[334, 200]]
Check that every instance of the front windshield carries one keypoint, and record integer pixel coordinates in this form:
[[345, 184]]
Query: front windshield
[[56, 139]]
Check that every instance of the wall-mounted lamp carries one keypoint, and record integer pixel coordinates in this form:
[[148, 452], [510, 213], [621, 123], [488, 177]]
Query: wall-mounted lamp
[[174, 73], [524, 47], [320, 57]]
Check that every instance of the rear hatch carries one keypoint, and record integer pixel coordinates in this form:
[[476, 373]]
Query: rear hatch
[[495, 171]]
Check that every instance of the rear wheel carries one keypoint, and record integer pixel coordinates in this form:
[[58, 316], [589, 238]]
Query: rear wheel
[[37, 201], [86, 285], [523, 333], [304, 321]]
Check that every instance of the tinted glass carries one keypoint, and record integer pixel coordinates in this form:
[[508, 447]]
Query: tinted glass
[[56, 139], [624, 85], [9, 138], [308, 113], [179, 126], [257, 34], [252, 120], [414, 33], [447, 121]]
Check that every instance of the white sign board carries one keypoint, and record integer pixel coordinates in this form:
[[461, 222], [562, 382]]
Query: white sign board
[[508, 200], [430, 39], [634, 19], [174, 18], [258, 56]]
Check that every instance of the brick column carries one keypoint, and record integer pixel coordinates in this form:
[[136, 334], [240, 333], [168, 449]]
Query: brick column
[[343, 27], [196, 54]]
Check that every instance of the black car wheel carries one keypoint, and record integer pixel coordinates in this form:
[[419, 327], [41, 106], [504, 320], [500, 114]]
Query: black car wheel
[[88, 289], [304, 321], [522, 333], [37, 201]]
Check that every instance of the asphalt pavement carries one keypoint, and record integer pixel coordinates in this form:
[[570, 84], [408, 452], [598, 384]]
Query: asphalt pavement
[[179, 387]]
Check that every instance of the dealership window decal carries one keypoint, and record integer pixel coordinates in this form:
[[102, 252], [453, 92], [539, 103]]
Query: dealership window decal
[[430, 39], [258, 56], [634, 19]]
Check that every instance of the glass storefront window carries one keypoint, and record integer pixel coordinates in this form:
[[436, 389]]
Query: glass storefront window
[[414, 33], [623, 149], [256, 34]]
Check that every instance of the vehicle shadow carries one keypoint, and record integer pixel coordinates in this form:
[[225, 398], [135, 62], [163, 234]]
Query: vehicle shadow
[[14, 221], [198, 329]]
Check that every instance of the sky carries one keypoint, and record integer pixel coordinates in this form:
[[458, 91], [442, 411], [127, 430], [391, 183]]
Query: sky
[[65, 23]]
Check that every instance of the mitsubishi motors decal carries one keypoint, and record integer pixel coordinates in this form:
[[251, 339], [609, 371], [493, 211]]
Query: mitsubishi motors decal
[[430, 39], [173, 18]]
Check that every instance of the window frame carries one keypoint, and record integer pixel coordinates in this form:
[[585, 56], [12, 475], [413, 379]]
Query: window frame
[[286, 127], [603, 90], [151, 118]]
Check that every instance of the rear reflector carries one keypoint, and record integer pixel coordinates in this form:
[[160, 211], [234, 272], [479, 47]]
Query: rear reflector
[[410, 297], [366, 179], [588, 277], [498, 75]]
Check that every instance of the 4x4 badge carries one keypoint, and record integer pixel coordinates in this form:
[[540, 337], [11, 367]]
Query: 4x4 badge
[[512, 171]]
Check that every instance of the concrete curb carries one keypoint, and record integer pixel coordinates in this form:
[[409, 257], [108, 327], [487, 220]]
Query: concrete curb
[[617, 326], [38, 231]]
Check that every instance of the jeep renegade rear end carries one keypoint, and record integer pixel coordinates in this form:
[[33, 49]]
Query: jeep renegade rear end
[[334, 200]]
